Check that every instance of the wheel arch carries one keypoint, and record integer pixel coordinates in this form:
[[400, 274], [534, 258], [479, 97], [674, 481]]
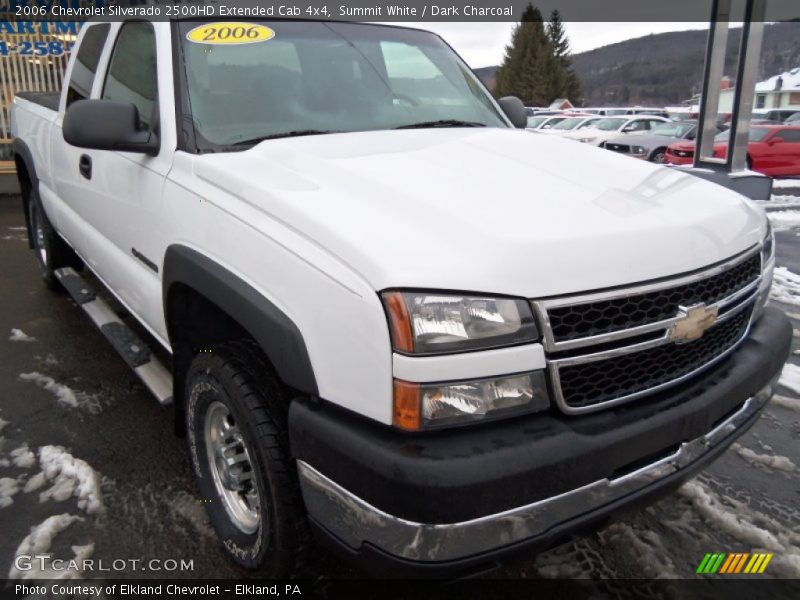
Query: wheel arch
[[655, 151], [205, 304], [27, 178]]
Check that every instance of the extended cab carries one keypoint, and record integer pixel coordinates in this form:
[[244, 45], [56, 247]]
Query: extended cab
[[392, 318]]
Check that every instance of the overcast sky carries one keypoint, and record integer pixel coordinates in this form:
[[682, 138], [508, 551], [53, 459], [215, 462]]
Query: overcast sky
[[483, 44]]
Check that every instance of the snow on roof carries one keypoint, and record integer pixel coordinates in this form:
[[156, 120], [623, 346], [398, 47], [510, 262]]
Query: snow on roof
[[791, 81]]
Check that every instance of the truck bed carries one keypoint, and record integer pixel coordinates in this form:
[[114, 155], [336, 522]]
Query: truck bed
[[47, 99]]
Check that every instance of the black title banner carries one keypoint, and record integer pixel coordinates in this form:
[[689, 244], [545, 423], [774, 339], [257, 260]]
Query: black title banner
[[376, 10]]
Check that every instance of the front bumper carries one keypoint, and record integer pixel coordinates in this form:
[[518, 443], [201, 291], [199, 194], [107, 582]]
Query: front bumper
[[451, 501]]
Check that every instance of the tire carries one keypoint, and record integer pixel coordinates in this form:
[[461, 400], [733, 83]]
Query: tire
[[659, 156], [749, 163], [255, 505], [51, 251]]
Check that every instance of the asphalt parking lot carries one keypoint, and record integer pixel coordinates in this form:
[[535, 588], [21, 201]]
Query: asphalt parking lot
[[88, 457]]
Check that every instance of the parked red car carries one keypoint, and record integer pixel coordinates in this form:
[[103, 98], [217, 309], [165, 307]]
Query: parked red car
[[772, 150]]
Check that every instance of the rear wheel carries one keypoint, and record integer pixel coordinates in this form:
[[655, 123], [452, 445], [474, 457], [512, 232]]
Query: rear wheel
[[52, 252], [235, 417]]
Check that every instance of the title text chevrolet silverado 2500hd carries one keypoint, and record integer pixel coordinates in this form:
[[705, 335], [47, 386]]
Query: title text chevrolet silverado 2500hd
[[394, 319]]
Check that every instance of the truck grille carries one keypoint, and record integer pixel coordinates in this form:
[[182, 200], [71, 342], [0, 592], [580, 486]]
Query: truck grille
[[603, 316], [611, 347], [597, 382], [618, 147]]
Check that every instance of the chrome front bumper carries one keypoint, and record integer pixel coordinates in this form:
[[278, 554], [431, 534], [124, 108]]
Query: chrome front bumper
[[355, 522]]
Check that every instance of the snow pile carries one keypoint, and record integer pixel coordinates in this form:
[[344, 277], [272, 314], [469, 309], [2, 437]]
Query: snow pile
[[758, 531], [64, 394], [786, 402], [780, 463], [17, 335], [785, 183], [39, 541], [786, 287], [70, 477], [784, 219], [790, 377], [646, 548], [8, 489], [22, 457]]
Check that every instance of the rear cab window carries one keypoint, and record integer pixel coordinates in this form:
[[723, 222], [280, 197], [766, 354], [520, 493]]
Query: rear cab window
[[85, 65]]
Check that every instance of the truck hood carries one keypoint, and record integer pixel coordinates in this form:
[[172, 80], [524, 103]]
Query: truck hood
[[487, 210]]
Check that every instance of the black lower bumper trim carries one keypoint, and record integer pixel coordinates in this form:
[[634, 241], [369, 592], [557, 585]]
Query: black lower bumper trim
[[462, 474]]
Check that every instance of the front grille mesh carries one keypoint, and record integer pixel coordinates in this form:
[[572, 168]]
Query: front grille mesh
[[586, 384], [605, 316]]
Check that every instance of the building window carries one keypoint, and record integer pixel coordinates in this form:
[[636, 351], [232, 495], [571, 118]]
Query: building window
[[761, 100], [794, 99]]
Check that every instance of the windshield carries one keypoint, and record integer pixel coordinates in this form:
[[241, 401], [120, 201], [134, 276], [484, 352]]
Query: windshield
[[534, 122], [677, 130], [552, 122], [588, 123], [609, 124], [312, 77], [756, 134], [569, 124]]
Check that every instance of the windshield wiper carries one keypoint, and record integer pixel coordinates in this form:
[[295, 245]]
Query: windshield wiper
[[285, 134], [441, 123]]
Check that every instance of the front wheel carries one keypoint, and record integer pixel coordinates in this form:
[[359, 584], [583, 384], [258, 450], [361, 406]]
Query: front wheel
[[659, 156], [235, 417]]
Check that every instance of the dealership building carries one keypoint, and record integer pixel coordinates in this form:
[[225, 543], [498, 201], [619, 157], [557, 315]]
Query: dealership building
[[33, 58]]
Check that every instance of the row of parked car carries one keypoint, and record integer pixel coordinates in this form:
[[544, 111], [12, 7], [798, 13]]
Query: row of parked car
[[774, 147]]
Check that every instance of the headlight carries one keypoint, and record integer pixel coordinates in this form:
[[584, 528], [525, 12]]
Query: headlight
[[429, 323], [587, 140], [767, 272], [430, 405], [638, 150]]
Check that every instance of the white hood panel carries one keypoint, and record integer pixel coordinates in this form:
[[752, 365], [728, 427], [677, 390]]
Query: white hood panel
[[488, 210]]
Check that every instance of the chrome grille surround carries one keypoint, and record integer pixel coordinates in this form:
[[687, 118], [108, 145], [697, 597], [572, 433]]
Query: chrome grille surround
[[590, 349]]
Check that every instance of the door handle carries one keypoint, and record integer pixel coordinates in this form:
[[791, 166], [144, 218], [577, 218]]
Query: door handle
[[85, 166]]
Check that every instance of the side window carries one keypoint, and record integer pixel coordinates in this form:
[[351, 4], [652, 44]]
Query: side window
[[132, 72], [640, 125], [790, 135], [82, 78]]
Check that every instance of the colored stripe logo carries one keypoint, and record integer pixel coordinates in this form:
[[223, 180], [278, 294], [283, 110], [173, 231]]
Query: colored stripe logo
[[736, 562]]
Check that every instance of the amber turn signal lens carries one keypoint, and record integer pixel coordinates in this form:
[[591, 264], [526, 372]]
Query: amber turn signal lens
[[402, 335], [406, 405]]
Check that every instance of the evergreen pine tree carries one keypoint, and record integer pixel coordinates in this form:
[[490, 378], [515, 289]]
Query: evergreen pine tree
[[528, 64], [565, 81]]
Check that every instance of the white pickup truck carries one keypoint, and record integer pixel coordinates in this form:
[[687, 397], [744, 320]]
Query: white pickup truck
[[393, 319]]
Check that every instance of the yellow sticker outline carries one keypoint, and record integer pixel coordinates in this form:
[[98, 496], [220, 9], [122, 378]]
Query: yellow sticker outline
[[195, 35]]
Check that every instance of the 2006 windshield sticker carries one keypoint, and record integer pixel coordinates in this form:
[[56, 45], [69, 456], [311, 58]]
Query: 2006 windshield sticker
[[230, 33]]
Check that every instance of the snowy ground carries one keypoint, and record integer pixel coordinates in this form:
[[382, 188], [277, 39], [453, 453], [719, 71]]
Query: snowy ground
[[89, 466]]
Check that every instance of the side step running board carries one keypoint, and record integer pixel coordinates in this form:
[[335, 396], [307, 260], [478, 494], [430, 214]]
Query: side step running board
[[132, 349]]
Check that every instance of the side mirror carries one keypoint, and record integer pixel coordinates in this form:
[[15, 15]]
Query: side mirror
[[776, 140], [515, 111], [108, 125]]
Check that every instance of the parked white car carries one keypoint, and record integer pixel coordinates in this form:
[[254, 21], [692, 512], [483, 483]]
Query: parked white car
[[611, 127], [544, 122], [574, 123]]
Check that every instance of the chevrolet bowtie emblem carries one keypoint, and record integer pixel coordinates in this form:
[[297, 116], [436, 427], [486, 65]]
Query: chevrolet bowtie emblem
[[693, 323]]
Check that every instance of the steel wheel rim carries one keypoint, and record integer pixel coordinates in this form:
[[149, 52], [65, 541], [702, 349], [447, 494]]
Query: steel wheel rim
[[38, 234], [229, 461]]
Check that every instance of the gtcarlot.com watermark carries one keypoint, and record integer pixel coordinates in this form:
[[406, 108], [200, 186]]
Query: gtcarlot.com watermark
[[45, 562]]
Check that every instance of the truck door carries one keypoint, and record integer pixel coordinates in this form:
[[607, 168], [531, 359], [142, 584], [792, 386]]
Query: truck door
[[121, 200]]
